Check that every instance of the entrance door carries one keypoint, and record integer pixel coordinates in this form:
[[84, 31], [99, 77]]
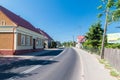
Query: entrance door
[[34, 44]]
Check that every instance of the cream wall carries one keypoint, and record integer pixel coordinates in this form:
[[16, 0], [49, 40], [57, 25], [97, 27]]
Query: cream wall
[[29, 33], [22, 30], [6, 28]]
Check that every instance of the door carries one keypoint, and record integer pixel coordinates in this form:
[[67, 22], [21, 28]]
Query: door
[[34, 44]]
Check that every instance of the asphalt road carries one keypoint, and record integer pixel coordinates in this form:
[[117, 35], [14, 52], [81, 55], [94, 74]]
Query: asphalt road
[[54, 65]]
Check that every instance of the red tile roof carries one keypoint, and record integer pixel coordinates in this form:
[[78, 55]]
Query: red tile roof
[[18, 20], [81, 38]]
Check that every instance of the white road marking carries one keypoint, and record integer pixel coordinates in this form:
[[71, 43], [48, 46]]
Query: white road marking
[[37, 66], [59, 54], [51, 59], [31, 69], [11, 79]]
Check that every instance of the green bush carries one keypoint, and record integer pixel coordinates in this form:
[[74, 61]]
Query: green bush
[[113, 45]]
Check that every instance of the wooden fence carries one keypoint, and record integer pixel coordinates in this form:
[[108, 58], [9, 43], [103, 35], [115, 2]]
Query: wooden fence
[[113, 57]]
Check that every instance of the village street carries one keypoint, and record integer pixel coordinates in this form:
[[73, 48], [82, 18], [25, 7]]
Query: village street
[[52, 65], [55, 64]]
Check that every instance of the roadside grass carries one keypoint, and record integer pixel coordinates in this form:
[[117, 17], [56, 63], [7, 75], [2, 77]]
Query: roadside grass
[[113, 71]]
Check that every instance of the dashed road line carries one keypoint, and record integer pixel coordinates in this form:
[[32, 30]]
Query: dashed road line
[[37, 66], [31, 69]]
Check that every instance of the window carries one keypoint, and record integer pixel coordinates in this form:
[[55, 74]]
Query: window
[[38, 42], [22, 39], [28, 40], [3, 23]]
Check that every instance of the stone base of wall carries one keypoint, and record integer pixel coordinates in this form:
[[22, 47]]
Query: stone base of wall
[[18, 52], [6, 52]]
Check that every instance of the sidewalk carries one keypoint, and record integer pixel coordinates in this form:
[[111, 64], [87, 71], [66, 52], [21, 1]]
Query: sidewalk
[[93, 70]]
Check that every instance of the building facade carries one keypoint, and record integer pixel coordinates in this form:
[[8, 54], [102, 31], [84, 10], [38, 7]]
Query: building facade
[[80, 40], [47, 39], [17, 35]]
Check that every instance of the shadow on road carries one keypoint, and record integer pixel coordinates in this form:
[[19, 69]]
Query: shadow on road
[[4, 76], [9, 63], [4, 69], [23, 63], [52, 53], [43, 53]]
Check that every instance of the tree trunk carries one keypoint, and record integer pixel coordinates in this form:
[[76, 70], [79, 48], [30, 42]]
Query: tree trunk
[[104, 34]]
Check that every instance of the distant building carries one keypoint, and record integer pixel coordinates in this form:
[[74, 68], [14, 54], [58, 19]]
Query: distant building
[[113, 38], [58, 44], [18, 35], [80, 40], [47, 39]]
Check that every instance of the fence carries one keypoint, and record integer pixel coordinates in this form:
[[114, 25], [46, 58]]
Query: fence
[[113, 57]]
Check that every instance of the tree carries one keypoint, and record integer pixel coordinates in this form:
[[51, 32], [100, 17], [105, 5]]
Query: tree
[[69, 44], [116, 12], [94, 36], [107, 10]]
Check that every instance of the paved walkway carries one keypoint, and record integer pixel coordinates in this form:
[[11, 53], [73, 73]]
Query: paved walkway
[[93, 70]]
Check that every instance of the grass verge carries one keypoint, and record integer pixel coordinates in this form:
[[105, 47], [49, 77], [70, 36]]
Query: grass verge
[[113, 71]]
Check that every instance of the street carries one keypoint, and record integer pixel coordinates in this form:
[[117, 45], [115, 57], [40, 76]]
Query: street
[[54, 65]]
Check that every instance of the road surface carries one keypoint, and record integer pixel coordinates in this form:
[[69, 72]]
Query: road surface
[[54, 65]]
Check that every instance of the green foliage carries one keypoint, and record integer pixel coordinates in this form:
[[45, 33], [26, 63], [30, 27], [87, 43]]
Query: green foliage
[[102, 61], [110, 3], [109, 18], [99, 15], [108, 10], [113, 45], [114, 72], [116, 15], [68, 44], [107, 65], [94, 36], [116, 12], [100, 7], [117, 4]]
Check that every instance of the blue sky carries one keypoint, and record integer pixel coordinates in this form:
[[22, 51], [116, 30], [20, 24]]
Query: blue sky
[[61, 19]]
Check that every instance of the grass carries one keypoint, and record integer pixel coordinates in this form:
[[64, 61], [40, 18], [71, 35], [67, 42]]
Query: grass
[[102, 61], [113, 71]]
